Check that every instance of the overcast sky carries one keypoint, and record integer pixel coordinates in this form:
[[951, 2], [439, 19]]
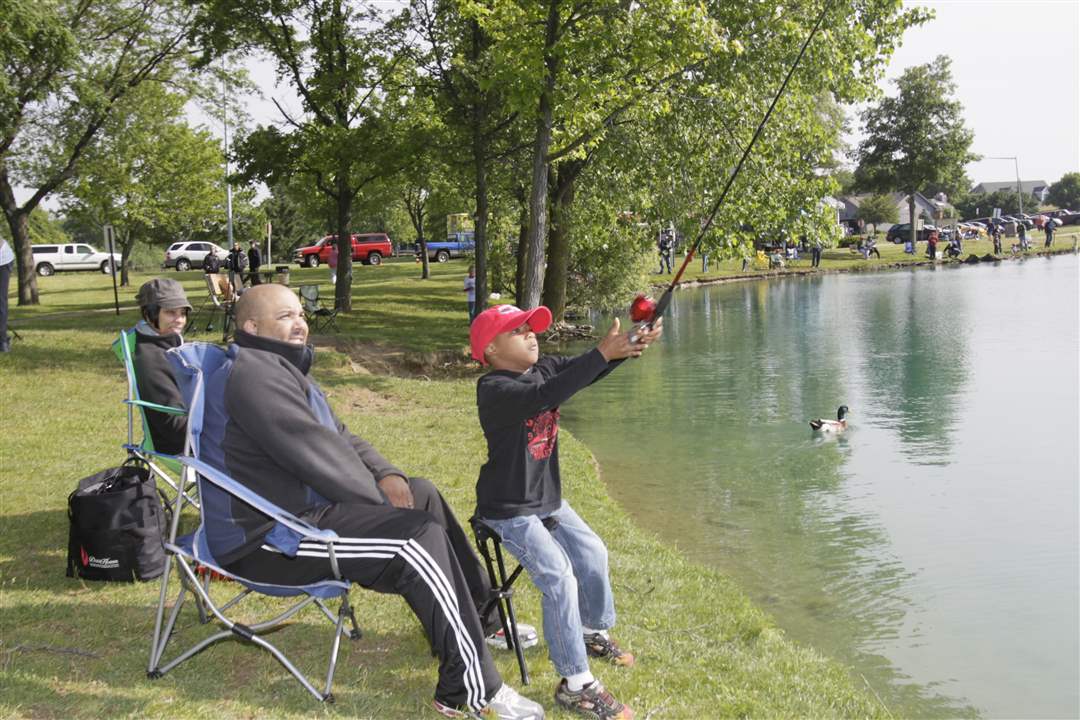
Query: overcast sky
[[1016, 64]]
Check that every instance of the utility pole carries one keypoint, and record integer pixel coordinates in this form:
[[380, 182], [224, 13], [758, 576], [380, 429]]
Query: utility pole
[[228, 185], [1016, 164]]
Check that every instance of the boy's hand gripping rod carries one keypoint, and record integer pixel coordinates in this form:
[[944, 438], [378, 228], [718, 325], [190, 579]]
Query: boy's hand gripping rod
[[665, 299]]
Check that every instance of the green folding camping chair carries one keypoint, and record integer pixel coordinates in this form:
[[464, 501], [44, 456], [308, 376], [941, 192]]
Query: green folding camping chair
[[124, 348]]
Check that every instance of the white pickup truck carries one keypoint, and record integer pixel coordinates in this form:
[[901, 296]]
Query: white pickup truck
[[49, 259]]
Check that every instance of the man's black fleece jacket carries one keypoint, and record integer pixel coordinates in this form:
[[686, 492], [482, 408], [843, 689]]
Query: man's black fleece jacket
[[282, 440]]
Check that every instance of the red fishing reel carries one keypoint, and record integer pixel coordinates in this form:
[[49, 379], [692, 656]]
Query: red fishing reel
[[643, 309]]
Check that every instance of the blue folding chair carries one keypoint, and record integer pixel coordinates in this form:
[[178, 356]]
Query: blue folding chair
[[124, 348], [199, 368]]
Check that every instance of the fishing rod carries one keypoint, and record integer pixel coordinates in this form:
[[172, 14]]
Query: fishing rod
[[645, 308]]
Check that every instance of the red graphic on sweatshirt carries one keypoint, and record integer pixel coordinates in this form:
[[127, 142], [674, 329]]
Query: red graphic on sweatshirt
[[83, 556], [543, 432]]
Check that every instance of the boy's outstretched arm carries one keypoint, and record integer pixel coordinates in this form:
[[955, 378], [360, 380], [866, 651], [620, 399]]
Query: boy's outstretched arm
[[504, 400]]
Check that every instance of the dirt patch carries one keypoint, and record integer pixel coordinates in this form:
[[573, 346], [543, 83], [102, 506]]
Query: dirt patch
[[369, 358]]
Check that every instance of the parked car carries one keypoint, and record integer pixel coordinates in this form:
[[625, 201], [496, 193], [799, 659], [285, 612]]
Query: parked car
[[49, 259], [457, 245], [1067, 217], [186, 255], [900, 234], [369, 248]]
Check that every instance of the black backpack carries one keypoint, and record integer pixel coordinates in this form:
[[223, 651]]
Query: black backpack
[[117, 523]]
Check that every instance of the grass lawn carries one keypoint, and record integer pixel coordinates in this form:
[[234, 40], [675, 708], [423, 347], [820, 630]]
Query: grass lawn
[[75, 649]]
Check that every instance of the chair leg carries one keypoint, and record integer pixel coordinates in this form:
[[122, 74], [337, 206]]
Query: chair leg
[[505, 587], [502, 596]]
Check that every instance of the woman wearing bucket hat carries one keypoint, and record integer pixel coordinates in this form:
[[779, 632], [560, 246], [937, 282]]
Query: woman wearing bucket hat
[[165, 309]]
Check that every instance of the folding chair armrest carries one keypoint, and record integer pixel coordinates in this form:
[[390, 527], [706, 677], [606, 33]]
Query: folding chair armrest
[[168, 409], [223, 481]]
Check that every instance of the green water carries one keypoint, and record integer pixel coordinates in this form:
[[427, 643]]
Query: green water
[[933, 548]]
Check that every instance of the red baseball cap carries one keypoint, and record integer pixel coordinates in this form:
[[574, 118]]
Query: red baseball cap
[[503, 318]]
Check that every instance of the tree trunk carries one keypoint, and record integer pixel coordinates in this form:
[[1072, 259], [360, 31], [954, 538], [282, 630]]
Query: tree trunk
[[521, 252], [18, 220], [480, 227], [479, 151], [425, 264], [913, 221], [343, 285], [538, 195], [558, 251], [126, 246]]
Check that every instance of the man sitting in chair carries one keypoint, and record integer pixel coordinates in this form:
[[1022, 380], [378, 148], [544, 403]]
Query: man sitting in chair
[[397, 534], [165, 309]]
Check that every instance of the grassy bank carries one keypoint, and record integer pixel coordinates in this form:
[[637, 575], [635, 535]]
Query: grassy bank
[[74, 649]]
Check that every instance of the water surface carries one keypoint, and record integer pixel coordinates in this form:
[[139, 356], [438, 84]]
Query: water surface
[[934, 547]]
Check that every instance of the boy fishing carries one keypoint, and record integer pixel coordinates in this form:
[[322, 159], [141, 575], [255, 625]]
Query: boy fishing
[[519, 491]]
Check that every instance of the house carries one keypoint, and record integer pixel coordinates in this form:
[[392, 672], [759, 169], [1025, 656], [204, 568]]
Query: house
[[925, 208], [1038, 189]]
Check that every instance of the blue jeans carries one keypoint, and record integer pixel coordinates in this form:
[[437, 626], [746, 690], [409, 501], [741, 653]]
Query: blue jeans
[[569, 565]]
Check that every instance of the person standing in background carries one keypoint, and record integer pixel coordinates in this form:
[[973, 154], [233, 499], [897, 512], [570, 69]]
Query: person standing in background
[[469, 288], [237, 261], [331, 262], [254, 262], [7, 260]]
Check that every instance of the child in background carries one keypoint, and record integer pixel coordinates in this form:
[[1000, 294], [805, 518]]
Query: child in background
[[519, 492], [470, 292]]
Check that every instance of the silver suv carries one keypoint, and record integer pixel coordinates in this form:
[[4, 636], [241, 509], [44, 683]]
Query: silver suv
[[49, 259], [186, 255]]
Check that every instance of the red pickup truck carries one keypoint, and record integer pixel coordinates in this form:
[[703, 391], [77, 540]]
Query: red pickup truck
[[369, 248]]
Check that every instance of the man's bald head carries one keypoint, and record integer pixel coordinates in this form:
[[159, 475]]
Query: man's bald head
[[272, 311]]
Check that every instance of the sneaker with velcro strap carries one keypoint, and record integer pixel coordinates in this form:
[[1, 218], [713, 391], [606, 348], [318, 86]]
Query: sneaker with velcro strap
[[507, 704], [592, 701], [599, 645]]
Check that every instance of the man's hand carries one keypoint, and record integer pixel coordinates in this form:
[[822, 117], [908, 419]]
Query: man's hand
[[616, 345], [397, 491]]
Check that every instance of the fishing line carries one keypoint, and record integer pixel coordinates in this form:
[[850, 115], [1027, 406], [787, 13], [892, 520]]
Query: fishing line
[[665, 299]]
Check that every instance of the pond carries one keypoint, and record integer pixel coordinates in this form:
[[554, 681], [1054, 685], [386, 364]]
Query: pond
[[933, 547]]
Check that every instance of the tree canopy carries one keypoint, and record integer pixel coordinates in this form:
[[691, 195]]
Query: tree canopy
[[1065, 193], [917, 138]]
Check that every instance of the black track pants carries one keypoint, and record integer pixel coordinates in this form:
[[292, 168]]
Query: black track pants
[[427, 498], [407, 553]]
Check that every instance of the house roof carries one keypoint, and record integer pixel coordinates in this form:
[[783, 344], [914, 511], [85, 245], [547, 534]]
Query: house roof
[[851, 203], [1027, 186]]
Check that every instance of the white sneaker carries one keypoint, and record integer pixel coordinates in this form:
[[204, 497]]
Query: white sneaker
[[509, 705], [526, 636], [506, 705]]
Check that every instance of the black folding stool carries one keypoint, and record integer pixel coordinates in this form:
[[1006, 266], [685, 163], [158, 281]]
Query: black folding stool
[[502, 593]]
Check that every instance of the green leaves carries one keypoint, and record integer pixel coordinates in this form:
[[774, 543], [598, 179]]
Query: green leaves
[[917, 138]]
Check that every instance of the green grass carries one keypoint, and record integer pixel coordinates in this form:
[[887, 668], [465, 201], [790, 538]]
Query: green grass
[[75, 649]]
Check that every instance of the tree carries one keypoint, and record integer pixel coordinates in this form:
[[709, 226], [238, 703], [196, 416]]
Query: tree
[[67, 66], [1065, 193], [917, 138], [878, 209], [983, 204], [339, 59], [150, 176]]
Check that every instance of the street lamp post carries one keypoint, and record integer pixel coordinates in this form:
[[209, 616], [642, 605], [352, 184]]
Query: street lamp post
[[1016, 164]]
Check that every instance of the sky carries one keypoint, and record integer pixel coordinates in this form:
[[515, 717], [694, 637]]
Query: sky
[[1016, 64]]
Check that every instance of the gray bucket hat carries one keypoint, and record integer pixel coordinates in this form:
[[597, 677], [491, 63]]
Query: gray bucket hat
[[166, 293]]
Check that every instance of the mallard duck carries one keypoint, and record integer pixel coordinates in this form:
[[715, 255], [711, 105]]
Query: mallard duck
[[837, 425]]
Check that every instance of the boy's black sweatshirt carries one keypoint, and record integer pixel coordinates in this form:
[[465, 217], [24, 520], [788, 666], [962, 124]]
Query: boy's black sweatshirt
[[519, 413]]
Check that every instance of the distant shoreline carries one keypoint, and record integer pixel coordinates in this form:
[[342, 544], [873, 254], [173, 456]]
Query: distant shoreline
[[807, 272]]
